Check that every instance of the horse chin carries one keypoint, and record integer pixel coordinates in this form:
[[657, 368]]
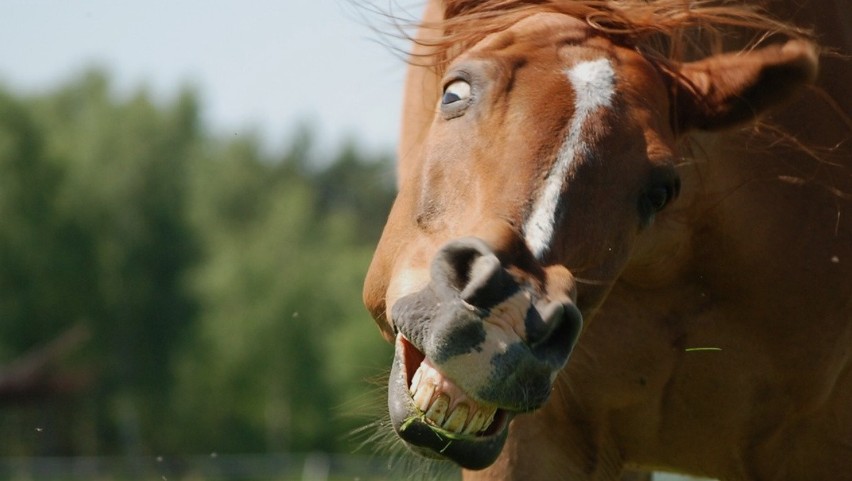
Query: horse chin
[[424, 437]]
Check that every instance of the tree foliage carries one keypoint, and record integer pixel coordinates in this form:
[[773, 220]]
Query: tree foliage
[[220, 284]]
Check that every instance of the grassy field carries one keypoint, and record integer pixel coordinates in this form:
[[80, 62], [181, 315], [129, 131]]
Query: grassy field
[[214, 467]]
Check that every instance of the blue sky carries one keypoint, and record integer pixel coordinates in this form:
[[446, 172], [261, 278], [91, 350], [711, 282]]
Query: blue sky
[[259, 65]]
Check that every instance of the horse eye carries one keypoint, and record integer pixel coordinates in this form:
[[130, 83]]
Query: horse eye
[[456, 91], [658, 197], [663, 187]]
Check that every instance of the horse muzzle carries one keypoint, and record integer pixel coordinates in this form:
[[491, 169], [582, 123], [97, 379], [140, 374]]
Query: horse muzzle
[[478, 345]]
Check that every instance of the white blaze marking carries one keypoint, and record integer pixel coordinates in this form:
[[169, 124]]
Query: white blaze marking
[[593, 82]]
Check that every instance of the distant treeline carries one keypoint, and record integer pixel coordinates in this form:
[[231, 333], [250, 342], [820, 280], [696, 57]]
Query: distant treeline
[[165, 290]]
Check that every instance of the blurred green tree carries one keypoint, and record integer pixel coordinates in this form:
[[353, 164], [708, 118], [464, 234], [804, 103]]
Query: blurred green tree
[[220, 284], [31, 285], [280, 292], [96, 213]]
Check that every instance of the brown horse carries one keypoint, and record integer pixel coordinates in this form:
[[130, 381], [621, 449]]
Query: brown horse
[[568, 160]]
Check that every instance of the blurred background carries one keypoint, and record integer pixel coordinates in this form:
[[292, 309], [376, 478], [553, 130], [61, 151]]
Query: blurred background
[[190, 193]]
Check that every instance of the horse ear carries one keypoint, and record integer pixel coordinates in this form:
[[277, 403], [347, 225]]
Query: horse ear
[[724, 90]]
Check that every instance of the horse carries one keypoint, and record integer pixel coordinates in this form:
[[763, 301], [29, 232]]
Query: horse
[[622, 240]]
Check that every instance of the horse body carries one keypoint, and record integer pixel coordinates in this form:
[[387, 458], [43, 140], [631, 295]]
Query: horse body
[[716, 334]]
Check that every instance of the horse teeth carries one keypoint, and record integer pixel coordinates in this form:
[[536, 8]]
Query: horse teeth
[[488, 413], [455, 421], [415, 381], [438, 410], [475, 424], [423, 396]]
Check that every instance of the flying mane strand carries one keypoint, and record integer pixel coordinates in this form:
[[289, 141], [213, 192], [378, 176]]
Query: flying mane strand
[[671, 30]]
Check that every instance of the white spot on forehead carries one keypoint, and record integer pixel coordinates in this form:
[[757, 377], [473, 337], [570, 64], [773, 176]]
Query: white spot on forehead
[[594, 84]]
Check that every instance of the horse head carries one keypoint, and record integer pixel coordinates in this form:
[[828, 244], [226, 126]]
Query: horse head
[[548, 164]]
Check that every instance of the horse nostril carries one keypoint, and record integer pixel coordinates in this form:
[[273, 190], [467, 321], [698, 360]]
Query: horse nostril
[[455, 260], [489, 284], [471, 268], [543, 321], [553, 330]]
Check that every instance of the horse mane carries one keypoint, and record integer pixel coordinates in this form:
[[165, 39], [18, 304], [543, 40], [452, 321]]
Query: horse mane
[[671, 30]]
